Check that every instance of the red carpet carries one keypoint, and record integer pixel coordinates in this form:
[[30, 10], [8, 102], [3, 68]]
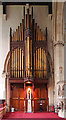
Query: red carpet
[[21, 114]]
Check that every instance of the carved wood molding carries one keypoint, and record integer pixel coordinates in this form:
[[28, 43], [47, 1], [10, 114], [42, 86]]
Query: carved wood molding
[[27, 33], [40, 44], [28, 79], [15, 44]]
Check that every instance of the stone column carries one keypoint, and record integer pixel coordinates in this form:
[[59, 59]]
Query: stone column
[[58, 27], [7, 92]]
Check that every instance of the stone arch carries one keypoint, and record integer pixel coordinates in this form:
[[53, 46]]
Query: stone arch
[[6, 63], [50, 62], [6, 75]]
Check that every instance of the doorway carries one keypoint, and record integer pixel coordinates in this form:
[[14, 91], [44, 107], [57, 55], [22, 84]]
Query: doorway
[[17, 97]]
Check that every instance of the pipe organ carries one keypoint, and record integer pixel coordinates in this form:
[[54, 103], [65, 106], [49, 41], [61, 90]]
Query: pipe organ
[[28, 64], [28, 46]]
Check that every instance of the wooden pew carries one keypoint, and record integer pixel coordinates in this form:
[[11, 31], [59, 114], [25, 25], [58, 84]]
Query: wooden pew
[[2, 110]]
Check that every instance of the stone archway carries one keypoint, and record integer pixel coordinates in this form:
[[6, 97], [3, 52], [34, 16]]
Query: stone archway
[[6, 73], [6, 63]]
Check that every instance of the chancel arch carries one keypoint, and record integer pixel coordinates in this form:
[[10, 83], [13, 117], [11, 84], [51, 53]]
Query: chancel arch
[[29, 66], [6, 63], [34, 65]]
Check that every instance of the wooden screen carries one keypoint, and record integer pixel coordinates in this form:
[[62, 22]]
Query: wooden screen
[[17, 97], [40, 95]]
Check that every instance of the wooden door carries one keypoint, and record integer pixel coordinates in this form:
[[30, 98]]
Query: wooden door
[[40, 95], [17, 97]]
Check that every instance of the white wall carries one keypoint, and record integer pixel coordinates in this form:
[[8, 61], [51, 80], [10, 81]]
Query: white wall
[[14, 17], [2, 80]]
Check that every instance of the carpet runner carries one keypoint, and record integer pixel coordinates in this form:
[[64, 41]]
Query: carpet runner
[[20, 114]]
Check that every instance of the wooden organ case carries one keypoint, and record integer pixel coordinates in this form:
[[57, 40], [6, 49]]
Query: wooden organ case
[[28, 65]]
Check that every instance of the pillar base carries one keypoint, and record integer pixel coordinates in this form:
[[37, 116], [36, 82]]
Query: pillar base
[[62, 114]]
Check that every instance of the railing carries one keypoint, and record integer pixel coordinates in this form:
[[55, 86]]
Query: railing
[[2, 110]]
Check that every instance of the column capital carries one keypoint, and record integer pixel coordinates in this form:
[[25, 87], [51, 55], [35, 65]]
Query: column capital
[[58, 43], [61, 82]]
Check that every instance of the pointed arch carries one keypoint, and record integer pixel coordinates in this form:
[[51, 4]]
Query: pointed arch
[[6, 63]]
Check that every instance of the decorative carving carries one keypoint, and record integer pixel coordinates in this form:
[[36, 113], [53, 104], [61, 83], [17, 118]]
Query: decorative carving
[[59, 90], [63, 90], [28, 79], [59, 43], [60, 69], [27, 33]]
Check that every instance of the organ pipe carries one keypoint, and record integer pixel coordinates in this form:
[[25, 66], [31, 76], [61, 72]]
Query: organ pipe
[[38, 55]]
